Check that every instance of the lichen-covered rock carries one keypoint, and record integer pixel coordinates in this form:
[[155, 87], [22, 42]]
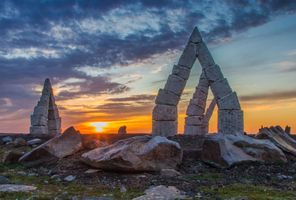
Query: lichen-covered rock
[[162, 192], [140, 153], [225, 150], [279, 137], [59, 147]]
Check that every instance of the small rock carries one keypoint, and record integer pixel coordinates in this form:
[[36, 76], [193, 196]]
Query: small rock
[[16, 188], [93, 144], [32, 174], [284, 177], [7, 139], [4, 180], [91, 171], [122, 130], [170, 172], [54, 176], [123, 189], [19, 142], [162, 192], [70, 178], [34, 141]]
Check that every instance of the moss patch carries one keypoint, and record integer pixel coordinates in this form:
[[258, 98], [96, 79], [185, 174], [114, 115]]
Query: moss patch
[[204, 176], [251, 192]]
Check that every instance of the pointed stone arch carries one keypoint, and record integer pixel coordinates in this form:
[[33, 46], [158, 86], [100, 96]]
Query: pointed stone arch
[[164, 116], [45, 118]]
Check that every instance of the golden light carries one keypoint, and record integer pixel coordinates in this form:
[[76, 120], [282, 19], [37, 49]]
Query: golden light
[[99, 125]]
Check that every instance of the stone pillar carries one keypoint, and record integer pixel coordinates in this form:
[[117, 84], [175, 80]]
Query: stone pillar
[[230, 115], [45, 118], [195, 123], [165, 115]]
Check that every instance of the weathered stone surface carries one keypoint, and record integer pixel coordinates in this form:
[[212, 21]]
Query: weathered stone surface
[[195, 36], [230, 121], [180, 71], [195, 130], [38, 120], [213, 73], [201, 101], [288, 129], [4, 180], [162, 192], [39, 130], [164, 113], [229, 102], [122, 130], [164, 128], [204, 56], [140, 153], [16, 188], [194, 120], [224, 150], [93, 144], [175, 84], [188, 56], [34, 141], [210, 110], [59, 147], [193, 110], [279, 137], [165, 97], [220, 88], [45, 118]]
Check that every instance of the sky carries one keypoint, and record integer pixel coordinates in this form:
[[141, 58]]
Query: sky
[[107, 59]]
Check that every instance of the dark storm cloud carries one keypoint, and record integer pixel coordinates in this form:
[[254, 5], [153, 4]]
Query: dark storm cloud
[[275, 96], [41, 39]]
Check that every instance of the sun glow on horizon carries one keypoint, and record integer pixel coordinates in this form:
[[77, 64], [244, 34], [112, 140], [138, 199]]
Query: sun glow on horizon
[[99, 126]]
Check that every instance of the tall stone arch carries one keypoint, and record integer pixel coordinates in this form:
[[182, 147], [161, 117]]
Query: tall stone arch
[[45, 118], [164, 116]]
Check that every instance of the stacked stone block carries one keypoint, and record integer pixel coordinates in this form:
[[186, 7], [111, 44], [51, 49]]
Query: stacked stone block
[[195, 122], [230, 115], [165, 114], [45, 118]]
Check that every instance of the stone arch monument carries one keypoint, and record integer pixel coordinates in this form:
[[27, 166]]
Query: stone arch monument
[[165, 114]]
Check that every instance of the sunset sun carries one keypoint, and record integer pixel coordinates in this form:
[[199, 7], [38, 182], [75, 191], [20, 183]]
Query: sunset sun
[[99, 126]]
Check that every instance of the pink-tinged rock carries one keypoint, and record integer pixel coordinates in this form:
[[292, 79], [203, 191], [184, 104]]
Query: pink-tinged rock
[[225, 150], [56, 148], [140, 153]]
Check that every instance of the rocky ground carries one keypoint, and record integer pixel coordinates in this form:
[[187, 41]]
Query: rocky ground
[[69, 178]]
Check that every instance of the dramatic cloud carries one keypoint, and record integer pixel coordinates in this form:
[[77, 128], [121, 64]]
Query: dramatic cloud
[[63, 40], [275, 96]]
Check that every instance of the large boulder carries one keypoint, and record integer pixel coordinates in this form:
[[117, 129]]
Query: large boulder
[[140, 153], [56, 148], [279, 137], [225, 150]]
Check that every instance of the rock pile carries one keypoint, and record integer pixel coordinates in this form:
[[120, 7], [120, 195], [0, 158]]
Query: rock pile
[[279, 137]]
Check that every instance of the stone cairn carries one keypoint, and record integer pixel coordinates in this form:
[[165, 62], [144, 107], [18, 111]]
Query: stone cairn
[[45, 118], [164, 116]]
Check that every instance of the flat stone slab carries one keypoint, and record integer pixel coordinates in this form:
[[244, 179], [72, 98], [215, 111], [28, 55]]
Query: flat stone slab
[[188, 56], [140, 153], [180, 71], [225, 150], [16, 188], [229, 102]]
